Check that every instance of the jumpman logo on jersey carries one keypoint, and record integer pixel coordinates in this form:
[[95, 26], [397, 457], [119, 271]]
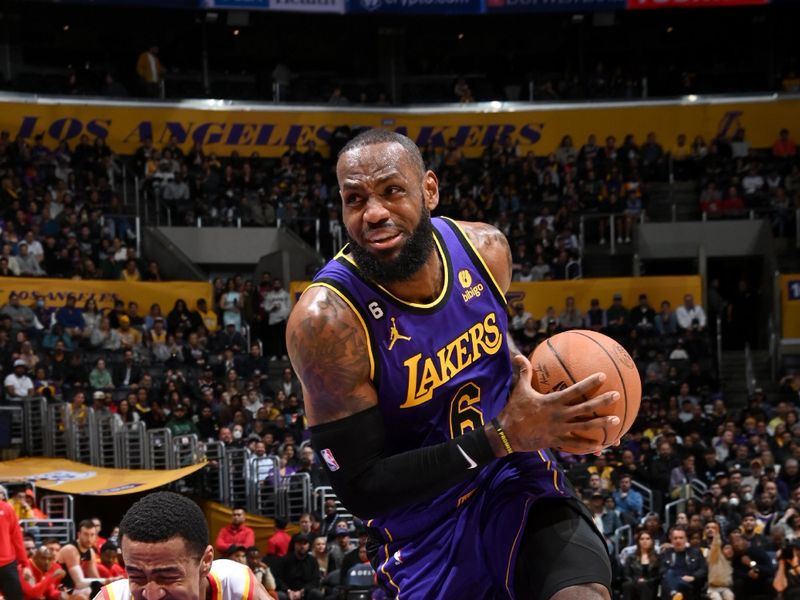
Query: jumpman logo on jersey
[[395, 335]]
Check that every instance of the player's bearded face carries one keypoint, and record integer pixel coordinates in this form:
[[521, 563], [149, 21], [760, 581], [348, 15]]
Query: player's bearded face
[[402, 266]]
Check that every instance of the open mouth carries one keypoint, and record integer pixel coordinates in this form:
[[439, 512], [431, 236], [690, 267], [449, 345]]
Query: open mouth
[[383, 241]]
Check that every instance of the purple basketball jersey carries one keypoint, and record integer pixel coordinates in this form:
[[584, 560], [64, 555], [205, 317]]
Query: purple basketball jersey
[[441, 370]]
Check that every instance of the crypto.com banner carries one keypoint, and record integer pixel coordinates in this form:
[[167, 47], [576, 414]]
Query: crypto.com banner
[[644, 4]]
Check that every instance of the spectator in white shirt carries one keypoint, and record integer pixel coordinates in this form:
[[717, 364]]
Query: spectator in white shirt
[[690, 316], [753, 182], [18, 384]]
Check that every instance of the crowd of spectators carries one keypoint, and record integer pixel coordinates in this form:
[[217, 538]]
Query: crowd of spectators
[[62, 215], [736, 179], [190, 368]]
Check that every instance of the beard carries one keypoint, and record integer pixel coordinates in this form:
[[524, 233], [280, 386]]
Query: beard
[[413, 255]]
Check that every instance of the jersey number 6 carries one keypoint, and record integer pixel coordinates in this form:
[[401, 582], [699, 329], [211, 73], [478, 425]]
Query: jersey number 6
[[465, 410]]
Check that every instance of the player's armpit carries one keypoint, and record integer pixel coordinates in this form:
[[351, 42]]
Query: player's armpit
[[493, 247], [328, 349]]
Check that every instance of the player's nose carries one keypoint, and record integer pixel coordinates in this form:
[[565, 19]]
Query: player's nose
[[153, 591], [375, 210]]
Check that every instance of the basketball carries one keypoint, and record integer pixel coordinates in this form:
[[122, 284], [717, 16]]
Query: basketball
[[569, 357]]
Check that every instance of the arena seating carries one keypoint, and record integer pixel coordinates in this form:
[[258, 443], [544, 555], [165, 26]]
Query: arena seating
[[253, 397]]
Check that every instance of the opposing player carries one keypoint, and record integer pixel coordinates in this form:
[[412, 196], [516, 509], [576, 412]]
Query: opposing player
[[165, 547], [401, 344], [78, 559]]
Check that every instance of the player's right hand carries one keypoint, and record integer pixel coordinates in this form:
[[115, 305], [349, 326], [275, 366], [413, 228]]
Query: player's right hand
[[534, 421]]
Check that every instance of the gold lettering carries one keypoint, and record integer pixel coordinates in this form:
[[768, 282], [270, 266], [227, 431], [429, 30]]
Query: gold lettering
[[483, 338], [411, 365], [491, 346], [463, 358], [446, 367], [430, 381]]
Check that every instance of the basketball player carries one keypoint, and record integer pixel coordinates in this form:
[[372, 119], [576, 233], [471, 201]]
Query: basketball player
[[401, 344], [165, 548], [78, 560]]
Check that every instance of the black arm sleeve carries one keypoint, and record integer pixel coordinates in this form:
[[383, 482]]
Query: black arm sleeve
[[370, 484]]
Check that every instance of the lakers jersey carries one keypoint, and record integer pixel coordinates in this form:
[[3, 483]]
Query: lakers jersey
[[227, 580], [440, 369]]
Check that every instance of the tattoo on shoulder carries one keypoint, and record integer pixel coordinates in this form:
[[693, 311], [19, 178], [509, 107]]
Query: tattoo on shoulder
[[330, 354]]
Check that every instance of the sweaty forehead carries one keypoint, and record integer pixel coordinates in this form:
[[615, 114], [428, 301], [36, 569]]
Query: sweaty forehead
[[366, 163]]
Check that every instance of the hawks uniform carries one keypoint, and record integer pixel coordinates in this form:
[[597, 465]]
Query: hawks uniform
[[228, 580], [441, 370]]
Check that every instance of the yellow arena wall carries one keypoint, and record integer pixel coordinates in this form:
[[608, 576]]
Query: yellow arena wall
[[223, 127]]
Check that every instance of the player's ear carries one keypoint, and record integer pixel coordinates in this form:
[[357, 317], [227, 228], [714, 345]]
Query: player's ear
[[430, 190], [206, 560]]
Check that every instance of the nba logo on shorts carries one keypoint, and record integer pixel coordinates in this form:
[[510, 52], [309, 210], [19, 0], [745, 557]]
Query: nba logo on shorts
[[327, 455]]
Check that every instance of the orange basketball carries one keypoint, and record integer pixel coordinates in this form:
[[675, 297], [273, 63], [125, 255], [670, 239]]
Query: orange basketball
[[571, 356]]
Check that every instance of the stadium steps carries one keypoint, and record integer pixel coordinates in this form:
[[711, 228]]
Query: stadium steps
[[734, 383], [732, 378], [684, 195]]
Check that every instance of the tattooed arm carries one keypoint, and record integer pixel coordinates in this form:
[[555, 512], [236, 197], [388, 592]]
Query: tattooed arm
[[328, 349]]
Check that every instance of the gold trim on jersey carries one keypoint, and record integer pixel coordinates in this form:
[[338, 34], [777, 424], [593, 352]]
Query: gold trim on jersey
[[548, 465], [388, 557], [514, 545], [247, 576], [360, 319], [478, 254], [445, 284]]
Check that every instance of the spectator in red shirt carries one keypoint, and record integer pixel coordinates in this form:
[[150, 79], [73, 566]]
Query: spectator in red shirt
[[733, 205], [12, 551], [235, 534], [40, 581], [784, 147], [109, 566], [278, 543], [98, 524]]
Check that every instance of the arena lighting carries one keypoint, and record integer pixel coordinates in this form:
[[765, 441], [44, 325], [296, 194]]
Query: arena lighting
[[691, 98], [495, 105], [66, 27]]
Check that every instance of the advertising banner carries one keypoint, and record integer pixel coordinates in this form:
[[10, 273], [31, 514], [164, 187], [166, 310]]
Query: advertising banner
[[790, 305], [645, 4], [55, 292], [493, 6], [315, 6], [538, 296], [414, 7], [69, 477], [235, 4], [269, 130]]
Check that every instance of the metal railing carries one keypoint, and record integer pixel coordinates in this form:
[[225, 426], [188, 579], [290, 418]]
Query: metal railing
[[719, 344], [647, 495], [16, 422], [612, 219], [263, 485], [749, 371], [58, 506], [132, 449], [676, 506], [623, 537], [61, 529], [698, 488]]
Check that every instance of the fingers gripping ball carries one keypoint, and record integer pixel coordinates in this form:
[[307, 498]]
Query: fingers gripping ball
[[571, 356]]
